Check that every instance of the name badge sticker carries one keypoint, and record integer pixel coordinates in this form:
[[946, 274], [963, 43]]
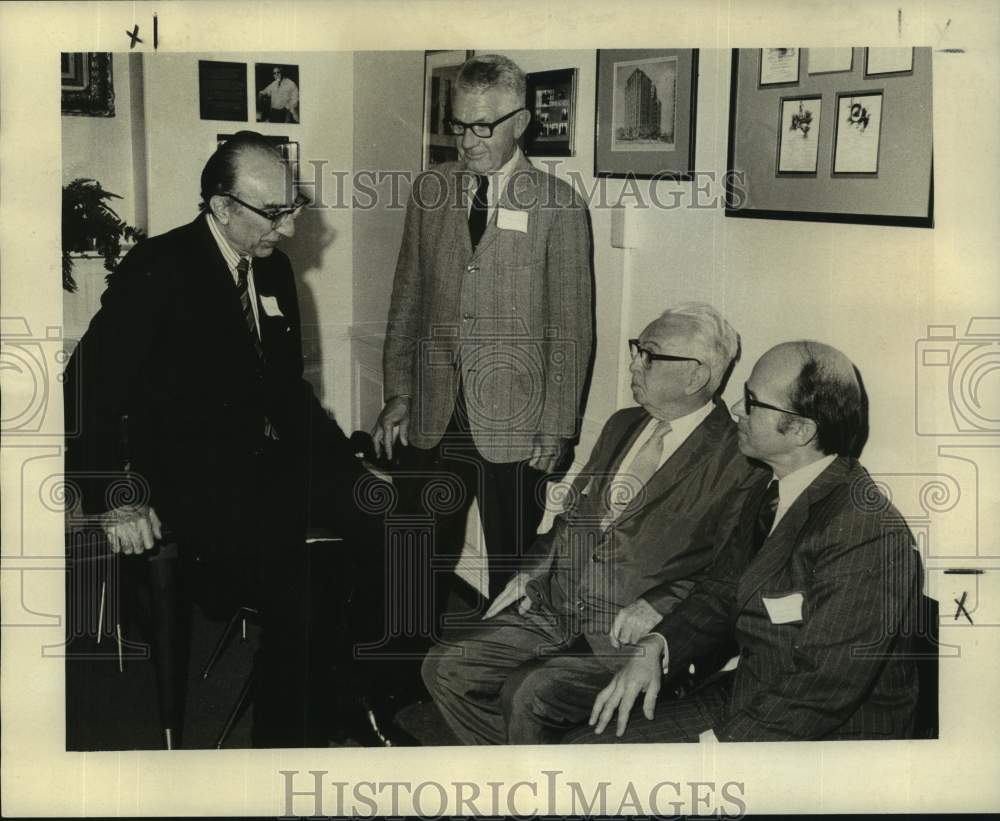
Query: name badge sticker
[[270, 305], [509, 220], [784, 609]]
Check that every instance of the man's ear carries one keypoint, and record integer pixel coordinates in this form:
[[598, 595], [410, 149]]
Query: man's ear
[[804, 430], [219, 206], [698, 380], [521, 120]]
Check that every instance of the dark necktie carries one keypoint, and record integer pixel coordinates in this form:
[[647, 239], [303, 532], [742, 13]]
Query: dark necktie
[[242, 287], [765, 515], [479, 210]]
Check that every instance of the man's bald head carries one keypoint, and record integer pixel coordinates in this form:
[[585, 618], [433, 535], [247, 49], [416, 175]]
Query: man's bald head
[[828, 389], [230, 162]]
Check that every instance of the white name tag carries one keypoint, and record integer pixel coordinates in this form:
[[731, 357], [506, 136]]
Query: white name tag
[[270, 306], [508, 220], [784, 609]]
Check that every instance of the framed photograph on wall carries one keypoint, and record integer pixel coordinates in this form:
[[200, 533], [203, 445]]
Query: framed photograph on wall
[[551, 99], [277, 92], [646, 112], [858, 129], [222, 90], [88, 88], [779, 66], [440, 70], [892, 60], [798, 135], [829, 60], [841, 148]]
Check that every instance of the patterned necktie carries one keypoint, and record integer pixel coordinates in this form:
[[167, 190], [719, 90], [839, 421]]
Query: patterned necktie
[[765, 515], [480, 207], [631, 480], [243, 289]]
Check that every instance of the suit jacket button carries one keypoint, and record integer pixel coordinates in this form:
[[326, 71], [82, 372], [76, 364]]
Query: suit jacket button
[[595, 558], [466, 317], [580, 605], [472, 269]]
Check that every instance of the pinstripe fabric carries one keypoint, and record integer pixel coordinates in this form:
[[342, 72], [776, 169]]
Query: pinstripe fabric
[[838, 672]]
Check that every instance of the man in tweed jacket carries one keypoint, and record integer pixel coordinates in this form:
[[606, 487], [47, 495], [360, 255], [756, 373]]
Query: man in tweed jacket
[[490, 324], [820, 592]]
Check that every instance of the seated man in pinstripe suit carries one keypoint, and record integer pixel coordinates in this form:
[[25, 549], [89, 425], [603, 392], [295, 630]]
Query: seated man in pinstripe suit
[[819, 584]]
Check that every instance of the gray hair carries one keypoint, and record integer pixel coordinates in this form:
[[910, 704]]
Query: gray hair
[[488, 71], [713, 339]]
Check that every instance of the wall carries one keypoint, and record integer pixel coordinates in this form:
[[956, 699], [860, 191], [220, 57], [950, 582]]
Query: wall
[[161, 146]]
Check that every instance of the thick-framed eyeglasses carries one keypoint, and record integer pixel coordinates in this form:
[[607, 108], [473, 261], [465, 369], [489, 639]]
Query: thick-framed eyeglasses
[[648, 357], [750, 402], [483, 130], [276, 216]]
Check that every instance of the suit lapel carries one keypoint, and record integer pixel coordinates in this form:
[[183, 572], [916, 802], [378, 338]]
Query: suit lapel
[[680, 462], [777, 547]]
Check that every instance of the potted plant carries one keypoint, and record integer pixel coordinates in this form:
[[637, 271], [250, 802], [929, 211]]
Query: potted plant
[[90, 224]]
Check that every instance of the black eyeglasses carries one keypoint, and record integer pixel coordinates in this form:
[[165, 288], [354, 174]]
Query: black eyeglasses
[[750, 401], [647, 357], [276, 216], [484, 130]]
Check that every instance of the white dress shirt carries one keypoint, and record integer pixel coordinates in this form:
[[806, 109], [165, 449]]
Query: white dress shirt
[[680, 430]]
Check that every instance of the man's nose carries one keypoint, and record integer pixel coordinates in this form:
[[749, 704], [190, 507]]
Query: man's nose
[[635, 364], [287, 227], [738, 408], [469, 139]]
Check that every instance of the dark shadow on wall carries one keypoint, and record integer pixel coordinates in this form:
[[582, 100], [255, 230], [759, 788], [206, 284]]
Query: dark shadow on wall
[[307, 250]]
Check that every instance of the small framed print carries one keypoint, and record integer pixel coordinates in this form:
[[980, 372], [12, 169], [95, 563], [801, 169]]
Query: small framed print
[[552, 103], [881, 61], [88, 88], [222, 90], [829, 60], [779, 66], [857, 133], [798, 135]]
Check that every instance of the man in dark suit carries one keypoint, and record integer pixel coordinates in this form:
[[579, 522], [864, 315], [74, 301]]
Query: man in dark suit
[[197, 427], [642, 519], [490, 326], [819, 586]]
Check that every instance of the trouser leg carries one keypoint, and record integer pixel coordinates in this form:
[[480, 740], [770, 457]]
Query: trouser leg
[[543, 700], [466, 677]]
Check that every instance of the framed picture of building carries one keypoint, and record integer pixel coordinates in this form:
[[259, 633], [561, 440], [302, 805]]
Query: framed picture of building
[[551, 99], [646, 101]]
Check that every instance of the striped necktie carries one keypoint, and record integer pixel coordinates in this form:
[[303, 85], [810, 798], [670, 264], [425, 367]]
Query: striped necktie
[[243, 289]]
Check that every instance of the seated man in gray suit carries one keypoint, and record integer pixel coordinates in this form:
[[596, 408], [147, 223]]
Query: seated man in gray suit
[[819, 585], [638, 530]]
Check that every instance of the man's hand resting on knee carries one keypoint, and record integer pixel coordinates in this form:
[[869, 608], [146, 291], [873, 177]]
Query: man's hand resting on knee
[[641, 675]]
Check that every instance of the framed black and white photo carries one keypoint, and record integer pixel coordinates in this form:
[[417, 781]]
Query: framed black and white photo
[[831, 151], [646, 106], [551, 99], [857, 133], [889, 60], [440, 70], [88, 88], [798, 135], [222, 90], [829, 60], [277, 92], [779, 66]]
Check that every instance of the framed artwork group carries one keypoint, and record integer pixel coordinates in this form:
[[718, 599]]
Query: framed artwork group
[[222, 91], [832, 135]]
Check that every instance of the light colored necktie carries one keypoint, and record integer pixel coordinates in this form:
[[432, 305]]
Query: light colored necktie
[[630, 481]]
